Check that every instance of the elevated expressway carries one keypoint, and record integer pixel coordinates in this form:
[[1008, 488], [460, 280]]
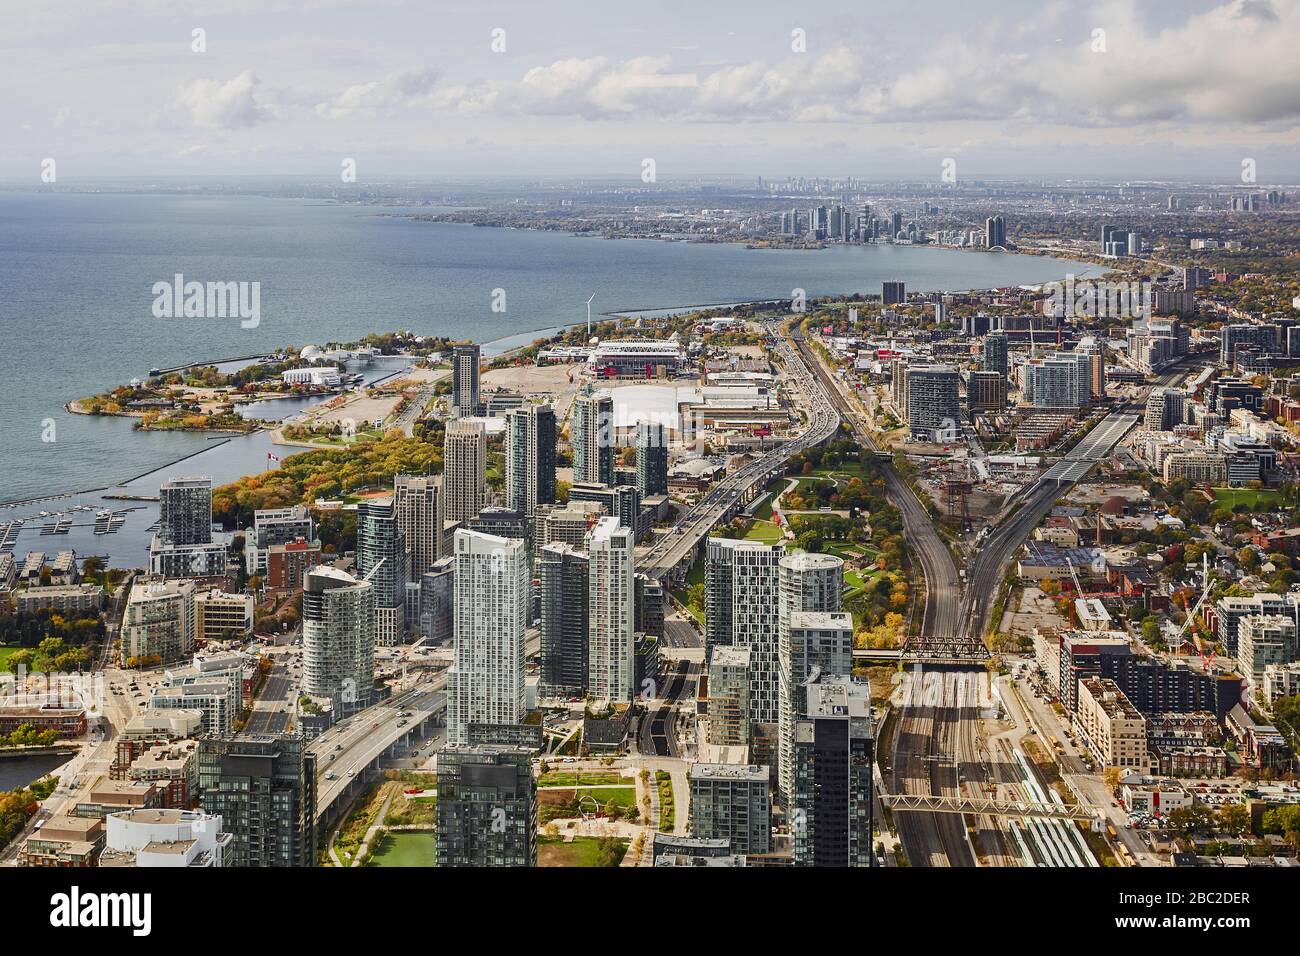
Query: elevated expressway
[[672, 554]]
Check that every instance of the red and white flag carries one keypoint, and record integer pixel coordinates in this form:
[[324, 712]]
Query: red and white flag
[[270, 457]]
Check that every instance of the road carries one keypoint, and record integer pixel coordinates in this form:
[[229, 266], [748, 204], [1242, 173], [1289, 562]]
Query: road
[[984, 574], [346, 749], [674, 548], [273, 710], [655, 732]]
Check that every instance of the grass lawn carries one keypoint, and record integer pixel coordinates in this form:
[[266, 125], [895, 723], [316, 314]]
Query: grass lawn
[[764, 531], [621, 796], [581, 851], [1231, 497], [696, 574], [5, 654], [667, 806], [405, 849]]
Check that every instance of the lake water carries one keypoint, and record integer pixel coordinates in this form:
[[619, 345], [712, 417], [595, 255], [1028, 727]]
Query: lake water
[[77, 271], [20, 771]]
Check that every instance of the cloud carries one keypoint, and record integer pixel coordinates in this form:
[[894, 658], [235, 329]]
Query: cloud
[[1232, 63], [384, 97], [233, 104]]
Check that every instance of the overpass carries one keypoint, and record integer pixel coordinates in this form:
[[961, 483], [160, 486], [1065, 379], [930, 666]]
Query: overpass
[[672, 554], [348, 754], [984, 807]]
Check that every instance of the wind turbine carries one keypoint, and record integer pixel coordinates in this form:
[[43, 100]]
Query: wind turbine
[[593, 295]]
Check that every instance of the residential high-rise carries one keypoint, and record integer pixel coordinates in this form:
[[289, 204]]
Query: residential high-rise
[[264, 790], [437, 600], [592, 437], [530, 458], [381, 560], [729, 697], [562, 574], [271, 527], [893, 292], [338, 638], [486, 681], [1089, 346], [933, 403], [464, 476], [995, 232], [620, 501], [159, 622], [611, 610], [986, 391], [834, 743], [732, 802], [185, 511], [419, 518], [487, 806], [994, 356], [651, 459], [812, 636], [742, 595], [465, 394]]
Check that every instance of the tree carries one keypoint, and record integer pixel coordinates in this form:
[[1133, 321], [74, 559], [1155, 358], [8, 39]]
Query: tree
[[1111, 777], [1151, 630], [1234, 818]]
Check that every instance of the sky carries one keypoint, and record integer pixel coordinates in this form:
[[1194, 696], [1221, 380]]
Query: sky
[[1123, 88]]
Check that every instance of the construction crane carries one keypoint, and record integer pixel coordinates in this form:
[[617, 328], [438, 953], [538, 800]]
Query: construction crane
[[1177, 640]]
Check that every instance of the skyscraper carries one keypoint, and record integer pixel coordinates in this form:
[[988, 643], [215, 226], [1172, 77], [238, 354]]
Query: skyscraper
[[995, 232], [651, 459], [933, 405], [185, 511], [742, 589], [563, 582], [264, 790], [381, 560], [487, 806], [592, 437], [530, 458], [893, 293], [833, 755], [611, 611], [732, 802], [994, 356], [338, 638], [486, 681], [729, 697], [465, 395], [812, 636], [464, 469], [419, 518]]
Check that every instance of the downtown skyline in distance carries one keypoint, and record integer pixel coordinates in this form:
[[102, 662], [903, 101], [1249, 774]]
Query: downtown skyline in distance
[[1122, 89]]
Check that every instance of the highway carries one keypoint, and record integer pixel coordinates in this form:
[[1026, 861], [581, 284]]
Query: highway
[[984, 574], [678, 545], [346, 749]]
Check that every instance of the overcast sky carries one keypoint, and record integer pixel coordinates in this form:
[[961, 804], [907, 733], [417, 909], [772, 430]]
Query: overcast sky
[[881, 87]]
